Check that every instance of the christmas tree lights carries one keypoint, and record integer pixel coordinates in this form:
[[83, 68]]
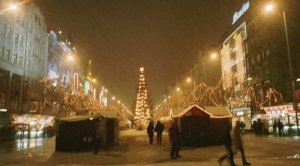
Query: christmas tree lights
[[142, 109]]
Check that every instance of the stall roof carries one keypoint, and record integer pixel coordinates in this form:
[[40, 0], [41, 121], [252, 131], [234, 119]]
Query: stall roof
[[109, 114], [218, 111], [212, 111], [79, 118]]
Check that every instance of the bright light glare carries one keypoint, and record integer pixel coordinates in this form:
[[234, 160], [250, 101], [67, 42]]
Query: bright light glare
[[13, 7], [213, 56], [269, 8], [141, 69], [94, 80], [178, 89], [70, 57], [298, 79], [188, 79]]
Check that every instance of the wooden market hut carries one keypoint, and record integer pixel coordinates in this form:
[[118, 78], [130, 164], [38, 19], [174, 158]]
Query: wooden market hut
[[78, 133], [202, 127]]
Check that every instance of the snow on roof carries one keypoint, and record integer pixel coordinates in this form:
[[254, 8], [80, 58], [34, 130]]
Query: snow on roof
[[218, 111], [212, 111], [79, 118], [109, 114]]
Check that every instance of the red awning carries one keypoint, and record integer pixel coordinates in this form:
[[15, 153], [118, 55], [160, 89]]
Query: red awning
[[282, 109]]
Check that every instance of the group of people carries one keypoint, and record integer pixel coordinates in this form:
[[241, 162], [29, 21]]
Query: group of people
[[159, 128], [173, 136], [278, 124], [261, 128], [237, 135]]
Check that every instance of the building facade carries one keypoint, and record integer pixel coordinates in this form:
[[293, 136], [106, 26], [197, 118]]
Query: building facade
[[265, 69], [23, 57]]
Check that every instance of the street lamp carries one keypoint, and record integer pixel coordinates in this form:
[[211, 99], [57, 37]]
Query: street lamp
[[269, 8]]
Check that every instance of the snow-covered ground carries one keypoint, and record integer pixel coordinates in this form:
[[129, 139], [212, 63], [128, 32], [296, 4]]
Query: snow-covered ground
[[134, 149]]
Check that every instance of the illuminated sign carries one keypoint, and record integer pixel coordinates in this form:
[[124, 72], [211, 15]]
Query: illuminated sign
[[238, 14], [86, 87], [3, 110]]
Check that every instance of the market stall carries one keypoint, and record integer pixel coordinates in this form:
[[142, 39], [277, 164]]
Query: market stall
[[33, 125], [202, 127], [78, 133]]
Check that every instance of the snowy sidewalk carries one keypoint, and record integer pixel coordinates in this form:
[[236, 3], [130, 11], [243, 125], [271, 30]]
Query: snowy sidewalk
[[134, 149]]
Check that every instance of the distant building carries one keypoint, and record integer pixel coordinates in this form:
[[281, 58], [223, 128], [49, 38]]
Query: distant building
[[59, 65], [23, 57]]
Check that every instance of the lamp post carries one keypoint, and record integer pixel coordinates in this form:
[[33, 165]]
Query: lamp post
[[268, 8]]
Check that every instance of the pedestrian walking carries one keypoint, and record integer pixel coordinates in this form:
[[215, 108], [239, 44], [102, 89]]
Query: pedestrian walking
[[238, 142], [227, 143], [280, 128], [175, 140], [254, 127], [150, 132], [159, 128], [275, 125], [243, 125]]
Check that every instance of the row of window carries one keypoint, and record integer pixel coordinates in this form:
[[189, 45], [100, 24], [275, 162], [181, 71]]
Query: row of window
[[6, 54], [16, 59], [250, 61]]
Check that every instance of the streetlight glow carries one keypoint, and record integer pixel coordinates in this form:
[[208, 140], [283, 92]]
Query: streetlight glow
[[269, 7], [213, 56], [188, 79], [13, 7], [70, 57]]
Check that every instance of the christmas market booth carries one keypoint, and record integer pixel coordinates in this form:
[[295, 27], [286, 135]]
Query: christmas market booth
[[78, 133], [202, 127], [33, 125]]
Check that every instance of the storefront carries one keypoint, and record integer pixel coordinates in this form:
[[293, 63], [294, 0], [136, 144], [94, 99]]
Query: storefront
[[29, 125], [242, 114], [285, 114]]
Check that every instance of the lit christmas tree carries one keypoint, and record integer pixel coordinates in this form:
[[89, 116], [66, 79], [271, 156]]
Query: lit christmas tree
[[142, 108]]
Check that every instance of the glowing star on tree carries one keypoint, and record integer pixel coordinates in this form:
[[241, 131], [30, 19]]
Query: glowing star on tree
[[142, 109]]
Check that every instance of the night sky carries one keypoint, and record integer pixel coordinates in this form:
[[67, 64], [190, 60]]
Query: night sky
[[164, 36]]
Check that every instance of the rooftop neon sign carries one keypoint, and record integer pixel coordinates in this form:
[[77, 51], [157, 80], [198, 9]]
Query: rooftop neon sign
[[239, 13]]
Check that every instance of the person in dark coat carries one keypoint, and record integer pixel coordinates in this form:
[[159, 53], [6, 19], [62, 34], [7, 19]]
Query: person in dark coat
[[227, 143], [175, 140], [275, 125], [243, 125], [238, 141], [150, 132], [159, 128], [280, 128], [260, 127]]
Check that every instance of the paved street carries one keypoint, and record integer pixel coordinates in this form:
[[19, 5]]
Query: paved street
[[134, 150]]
